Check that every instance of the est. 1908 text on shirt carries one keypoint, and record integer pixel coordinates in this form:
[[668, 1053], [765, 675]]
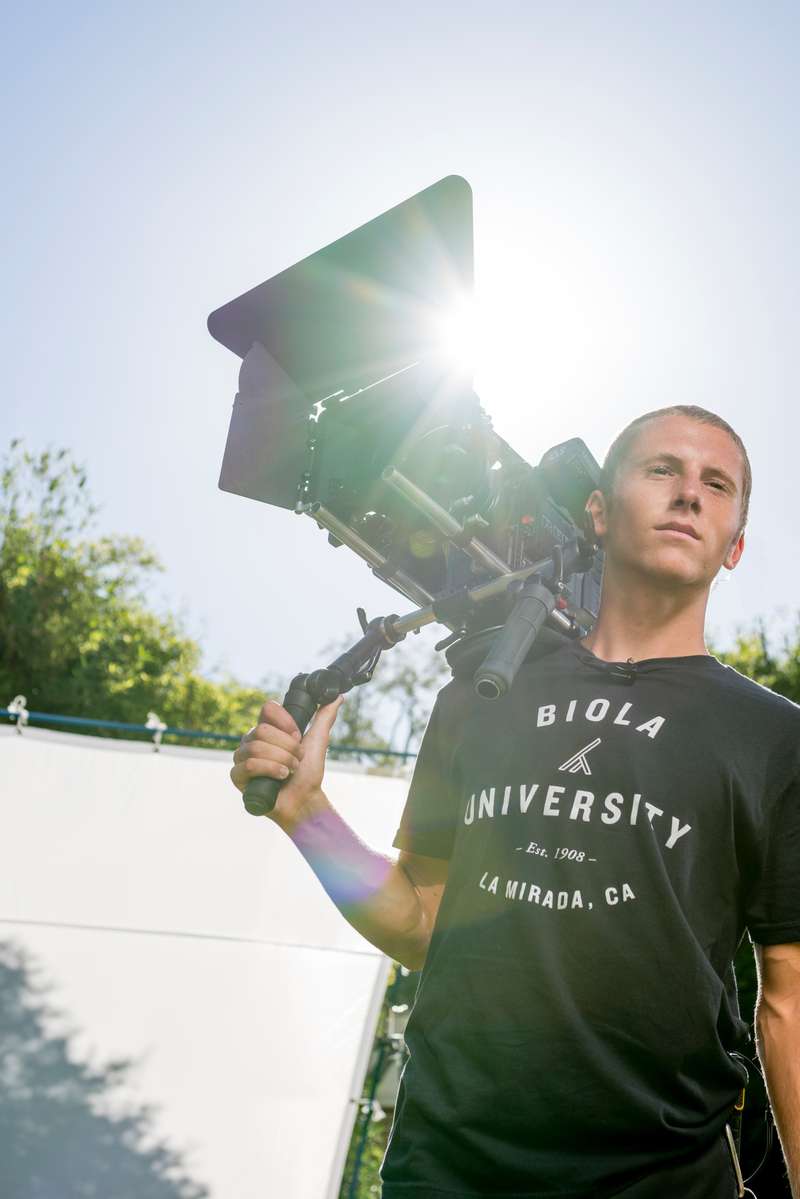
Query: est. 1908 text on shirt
[[609, 843]]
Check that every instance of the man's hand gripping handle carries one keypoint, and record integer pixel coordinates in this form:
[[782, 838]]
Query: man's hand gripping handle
[[275, 749]]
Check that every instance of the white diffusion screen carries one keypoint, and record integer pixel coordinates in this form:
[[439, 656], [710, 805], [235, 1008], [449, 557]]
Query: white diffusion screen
[[145, 914]]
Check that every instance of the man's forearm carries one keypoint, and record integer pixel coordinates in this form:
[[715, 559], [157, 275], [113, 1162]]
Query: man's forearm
[[371, 891], [778, 1038]]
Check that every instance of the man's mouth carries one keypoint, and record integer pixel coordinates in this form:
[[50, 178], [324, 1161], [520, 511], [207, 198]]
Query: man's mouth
[[678, 527]]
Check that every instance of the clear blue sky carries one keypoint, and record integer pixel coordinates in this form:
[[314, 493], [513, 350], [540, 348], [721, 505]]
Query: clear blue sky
[[635, 173]]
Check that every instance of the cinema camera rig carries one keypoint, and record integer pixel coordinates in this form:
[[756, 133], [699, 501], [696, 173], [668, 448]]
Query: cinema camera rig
[[350, 412]]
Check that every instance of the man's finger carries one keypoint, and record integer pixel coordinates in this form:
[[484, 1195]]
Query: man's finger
[[274, 713], [269, 734], [243, 772], [287, 755]]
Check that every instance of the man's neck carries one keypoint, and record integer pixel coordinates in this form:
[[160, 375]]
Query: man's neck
[[638, 622]]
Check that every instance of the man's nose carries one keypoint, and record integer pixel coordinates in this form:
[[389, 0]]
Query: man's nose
[[688, 493]]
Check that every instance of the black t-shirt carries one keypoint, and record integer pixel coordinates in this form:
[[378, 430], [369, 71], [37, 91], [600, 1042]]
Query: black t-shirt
[[609, 843]]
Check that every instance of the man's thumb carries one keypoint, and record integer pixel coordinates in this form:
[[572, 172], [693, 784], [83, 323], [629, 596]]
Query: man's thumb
[[324, 721]]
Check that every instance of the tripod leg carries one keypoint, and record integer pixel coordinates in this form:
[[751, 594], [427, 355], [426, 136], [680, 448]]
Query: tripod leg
[[261, 795]]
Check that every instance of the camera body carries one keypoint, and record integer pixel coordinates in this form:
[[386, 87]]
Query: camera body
[[349, 412]]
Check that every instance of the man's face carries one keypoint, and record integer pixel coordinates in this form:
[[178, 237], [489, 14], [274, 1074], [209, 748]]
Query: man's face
[[678, 471]]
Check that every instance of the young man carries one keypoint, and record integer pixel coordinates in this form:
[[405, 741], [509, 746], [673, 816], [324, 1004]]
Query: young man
[[578, 862]]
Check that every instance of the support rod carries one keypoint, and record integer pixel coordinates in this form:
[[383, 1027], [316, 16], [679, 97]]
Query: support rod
[[443, 521], [426, 614], [350, 538]]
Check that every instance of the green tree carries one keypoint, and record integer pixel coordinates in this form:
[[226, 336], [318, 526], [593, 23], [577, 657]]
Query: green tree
[[76, 635], [776, 667]]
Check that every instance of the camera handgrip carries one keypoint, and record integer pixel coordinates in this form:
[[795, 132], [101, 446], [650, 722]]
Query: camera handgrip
[[499, 669], [261, 795]]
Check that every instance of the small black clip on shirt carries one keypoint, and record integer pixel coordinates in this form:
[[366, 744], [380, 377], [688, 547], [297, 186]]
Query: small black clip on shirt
[[623, 672]]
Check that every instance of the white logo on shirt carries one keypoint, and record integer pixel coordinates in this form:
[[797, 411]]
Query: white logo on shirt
[[578, 761]]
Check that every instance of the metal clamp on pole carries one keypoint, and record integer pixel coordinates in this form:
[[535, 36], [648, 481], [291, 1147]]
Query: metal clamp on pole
[[157, 725], [19, 708]]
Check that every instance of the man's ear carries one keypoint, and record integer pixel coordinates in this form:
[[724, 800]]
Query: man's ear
[[597, 508], [734, 553]]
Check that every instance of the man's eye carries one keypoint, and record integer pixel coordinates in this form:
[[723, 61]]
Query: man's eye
[[665, 469]]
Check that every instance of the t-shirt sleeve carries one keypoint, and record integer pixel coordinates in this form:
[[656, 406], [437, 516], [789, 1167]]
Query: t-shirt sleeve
[[773, 910], [428, 823]]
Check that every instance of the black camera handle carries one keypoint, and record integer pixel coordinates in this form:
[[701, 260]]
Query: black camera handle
[[540, 596], [307, 692]]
